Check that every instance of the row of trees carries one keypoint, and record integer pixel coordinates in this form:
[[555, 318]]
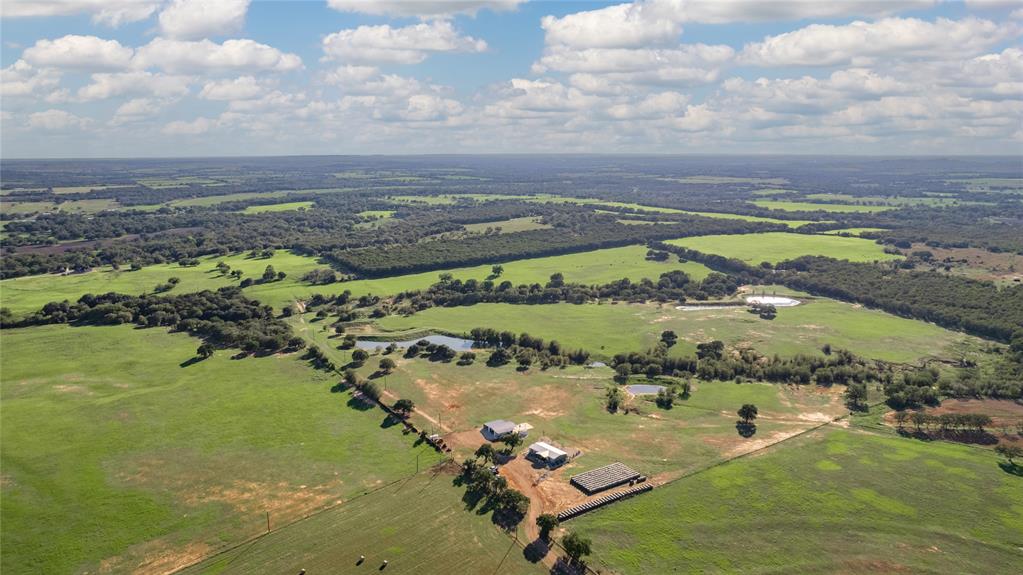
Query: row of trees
[[674, 286]]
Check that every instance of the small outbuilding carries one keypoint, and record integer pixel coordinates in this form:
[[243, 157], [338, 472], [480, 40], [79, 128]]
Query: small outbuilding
[[494, 430], [547, 454]]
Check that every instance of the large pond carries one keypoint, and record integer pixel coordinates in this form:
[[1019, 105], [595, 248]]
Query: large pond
[[455, 343], [644, 389]]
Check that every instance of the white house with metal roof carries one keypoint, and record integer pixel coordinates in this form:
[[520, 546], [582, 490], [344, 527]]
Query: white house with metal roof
[[547, 454]]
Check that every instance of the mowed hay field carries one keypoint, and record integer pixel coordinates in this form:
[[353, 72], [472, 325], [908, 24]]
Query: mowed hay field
[[606, 329], [777, 247], [117, 459], [27, 294], [831, 501], [419, 525]]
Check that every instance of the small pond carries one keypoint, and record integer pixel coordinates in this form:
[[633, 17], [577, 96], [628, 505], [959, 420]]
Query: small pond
[[644, 389], [455, 343]]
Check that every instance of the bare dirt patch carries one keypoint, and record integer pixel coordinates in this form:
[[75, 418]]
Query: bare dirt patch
[[156, 558]]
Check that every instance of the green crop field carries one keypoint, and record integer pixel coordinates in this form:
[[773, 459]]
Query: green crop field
[[811, 207], [608, 329], [833, 501], [724, 216], [419, 526], [776, 247], [277, 207], [509, 226], [117, 451]]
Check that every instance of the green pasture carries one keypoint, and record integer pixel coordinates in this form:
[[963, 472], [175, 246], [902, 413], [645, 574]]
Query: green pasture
[[832, 501], [72, 206], [26, 294], [853, 231], [118, 451], [286, 207], [419, 525], [606, 329], [595, 267], [891, 200], [777, 247], [509, 226], [812, 207]]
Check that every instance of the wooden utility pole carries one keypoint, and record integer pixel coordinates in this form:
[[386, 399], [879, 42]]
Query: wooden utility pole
[[267, 521]]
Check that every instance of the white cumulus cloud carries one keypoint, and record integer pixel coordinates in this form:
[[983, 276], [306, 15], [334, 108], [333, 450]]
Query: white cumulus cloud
[[858, 42], [109, 12], [56, 120], [194, 19], [195, 127], [82, 52], [241, 54], [109, 85], [405, 45], [422, 8], [241, 88]]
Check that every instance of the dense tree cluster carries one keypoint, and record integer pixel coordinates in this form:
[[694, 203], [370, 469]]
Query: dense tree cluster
[[225, 318], [673, 286], [526, 349], [714, 362]]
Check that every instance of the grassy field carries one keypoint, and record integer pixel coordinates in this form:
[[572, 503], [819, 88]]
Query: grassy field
[[608, 329], [776, 247], [509, 226], [73, 206], [599, 266], [567, 406], [852, 231], [419, 526], [27, 294], [834, 501], [277, 207], [116, 454], [811, 207]]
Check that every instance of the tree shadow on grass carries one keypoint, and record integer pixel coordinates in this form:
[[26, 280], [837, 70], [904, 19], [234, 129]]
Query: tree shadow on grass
[[390, 421], [360, 403], [746, 430], [190, 361], [1011, 468], [536, 551]]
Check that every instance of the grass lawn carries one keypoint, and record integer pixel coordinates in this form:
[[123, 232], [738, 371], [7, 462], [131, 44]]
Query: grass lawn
[[812, 207], [114, 453], [73, 206], [607, 329], [277, 207], [419, 526], [27, 294], [776, 247], [509, 226], [833, 501]]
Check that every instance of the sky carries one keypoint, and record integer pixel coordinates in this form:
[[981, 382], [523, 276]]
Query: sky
[[163, 78]]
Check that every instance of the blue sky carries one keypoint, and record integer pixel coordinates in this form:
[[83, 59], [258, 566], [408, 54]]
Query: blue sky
[[92, 78]]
